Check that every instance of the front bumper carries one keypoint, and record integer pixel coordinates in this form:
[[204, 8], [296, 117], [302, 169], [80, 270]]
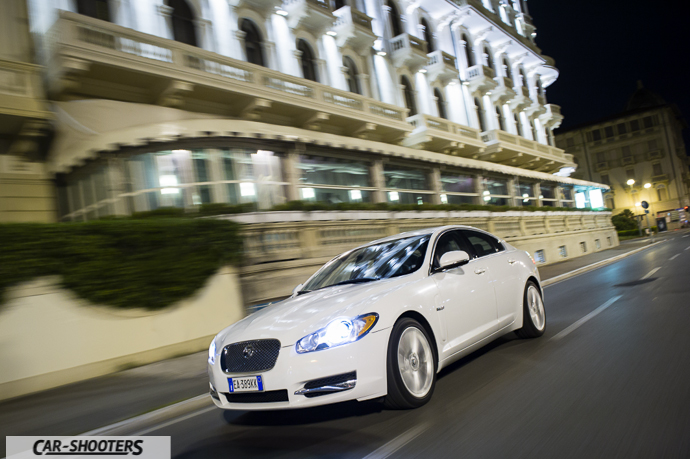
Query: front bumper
[[292, 371]]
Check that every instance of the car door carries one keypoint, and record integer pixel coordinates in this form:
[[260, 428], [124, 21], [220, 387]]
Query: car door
[[503, 270], [465, 299]]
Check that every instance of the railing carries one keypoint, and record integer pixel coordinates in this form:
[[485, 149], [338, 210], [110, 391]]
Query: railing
[[628, 160], [494, 136], [505, 82], [553, 109], [655, 154], [541, 100], [407, 41], [602, 166], [479, 71], [321, 4], [347, 16], [440, 57], [660, 178], [522, 91], [74, 32]]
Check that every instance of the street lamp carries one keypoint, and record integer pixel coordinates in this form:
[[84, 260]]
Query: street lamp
[[630, 183], [647, 185]]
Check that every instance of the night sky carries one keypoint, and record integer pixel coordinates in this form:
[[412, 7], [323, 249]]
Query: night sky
[[602, 47]]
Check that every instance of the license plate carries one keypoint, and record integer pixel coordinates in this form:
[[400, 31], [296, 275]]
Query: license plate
[[246, 384]]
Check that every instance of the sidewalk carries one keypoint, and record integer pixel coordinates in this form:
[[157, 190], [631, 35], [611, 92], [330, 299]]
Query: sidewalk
[[77, 408]]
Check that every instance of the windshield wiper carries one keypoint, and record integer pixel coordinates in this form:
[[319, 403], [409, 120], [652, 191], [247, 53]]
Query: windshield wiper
[[359, 280]]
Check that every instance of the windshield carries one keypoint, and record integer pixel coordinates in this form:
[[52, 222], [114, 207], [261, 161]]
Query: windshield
[[374, 262]]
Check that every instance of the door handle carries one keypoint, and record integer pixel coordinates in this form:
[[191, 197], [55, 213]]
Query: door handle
[[512, 262], [480, 270]]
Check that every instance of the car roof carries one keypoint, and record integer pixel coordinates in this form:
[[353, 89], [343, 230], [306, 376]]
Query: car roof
[[419, 232]]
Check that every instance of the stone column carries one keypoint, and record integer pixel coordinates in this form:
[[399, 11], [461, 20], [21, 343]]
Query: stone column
[[292, 172], [378, 180], [239, 34], [298, 63], [219, 190], [204, 28], [165, 23], [116, 185], [537, 193], [479, 189], [512, 191], [435, 179], [269, 55]]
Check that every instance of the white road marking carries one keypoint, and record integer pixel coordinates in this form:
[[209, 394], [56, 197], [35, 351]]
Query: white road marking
[[687, 248], [398, 442], [174, 421], [674, 257], [589, 316], [651, 273]]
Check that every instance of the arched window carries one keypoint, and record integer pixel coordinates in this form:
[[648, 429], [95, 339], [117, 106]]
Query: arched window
[[488, 57], [440, 104], [307, 61], [523, 77], [499, 117], [480, 114], [351, 75], [183, 22], [469, 52], [409, 96], [507, 71], [428, 36], [253, 43], [661, 193], [394, 19], [94, 8], [337, 4], [518, 125]]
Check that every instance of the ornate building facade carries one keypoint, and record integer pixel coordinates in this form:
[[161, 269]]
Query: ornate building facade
[[640, 154], [184, 102]]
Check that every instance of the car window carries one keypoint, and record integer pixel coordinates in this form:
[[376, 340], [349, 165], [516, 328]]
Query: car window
[[448, 242], [483, 244]]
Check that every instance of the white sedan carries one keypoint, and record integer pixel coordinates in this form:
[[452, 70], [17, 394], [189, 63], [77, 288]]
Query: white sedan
[[379, 321]]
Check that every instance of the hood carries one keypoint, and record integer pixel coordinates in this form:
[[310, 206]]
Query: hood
[[296, 317]]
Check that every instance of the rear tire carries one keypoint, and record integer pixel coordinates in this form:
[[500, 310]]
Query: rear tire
[[410, 366], [533, 313]]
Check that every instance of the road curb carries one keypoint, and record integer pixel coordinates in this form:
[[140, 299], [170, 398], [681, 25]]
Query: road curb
[[596, 265]]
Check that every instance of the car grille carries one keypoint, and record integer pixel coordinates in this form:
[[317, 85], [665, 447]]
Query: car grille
[[271, 396], [250, 356]]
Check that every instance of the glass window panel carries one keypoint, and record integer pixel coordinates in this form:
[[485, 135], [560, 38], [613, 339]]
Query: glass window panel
[[601, 157], [548, 203], [652, 145], [457, 183], [596, 135], [648, 122], [608, 131], [395, 197], [458, 199], [548, 191], [332, 171], [626, 151], [657, 169], [496, 201], [622, 128], [635, 125], [405, 178], [567, 193], [495, 186], [334, 196], [525, 189]]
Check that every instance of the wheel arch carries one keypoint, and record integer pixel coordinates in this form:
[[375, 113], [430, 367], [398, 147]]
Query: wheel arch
[[427, 326]]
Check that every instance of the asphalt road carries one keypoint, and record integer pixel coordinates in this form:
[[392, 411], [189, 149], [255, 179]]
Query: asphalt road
[[609, 378]]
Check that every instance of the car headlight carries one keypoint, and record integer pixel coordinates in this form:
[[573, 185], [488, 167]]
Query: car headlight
[[212, 352], [337, 333]]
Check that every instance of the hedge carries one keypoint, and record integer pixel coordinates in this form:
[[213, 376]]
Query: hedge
[[123, 263]]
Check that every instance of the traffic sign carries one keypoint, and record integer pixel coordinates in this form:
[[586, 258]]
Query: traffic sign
[[644, 205]]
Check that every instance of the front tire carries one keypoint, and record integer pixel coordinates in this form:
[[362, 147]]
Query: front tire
[[533, 314], [411, 366]]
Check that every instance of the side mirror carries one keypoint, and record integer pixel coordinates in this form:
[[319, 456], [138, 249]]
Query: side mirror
[[453, 259], [297, 289]]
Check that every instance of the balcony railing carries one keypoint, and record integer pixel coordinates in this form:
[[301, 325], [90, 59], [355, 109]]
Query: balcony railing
[[602, 166], [441, 65], [408, 50], [20, 91], [660, 178], [504, 147], [655, 154], [480, 78], [312, 14], [354, 28], [125, 50], [628, 160]]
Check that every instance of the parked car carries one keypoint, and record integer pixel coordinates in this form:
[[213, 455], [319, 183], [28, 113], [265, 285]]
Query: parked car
[[379, 320]]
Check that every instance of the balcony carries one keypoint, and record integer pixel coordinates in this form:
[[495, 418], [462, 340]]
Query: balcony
[[601, 166], [655, 154], [440, 135], [662, 178], [313, 15], [537, 108], [93, 58], [504, 92], [21, 96], [513, 150], [628, 160], [552, 118], [354, 29], [521, 100], [262, 6], [480, 80], [408, 51], [441, 67]]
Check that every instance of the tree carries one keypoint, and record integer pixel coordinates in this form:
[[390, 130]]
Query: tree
[[624, 221]]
